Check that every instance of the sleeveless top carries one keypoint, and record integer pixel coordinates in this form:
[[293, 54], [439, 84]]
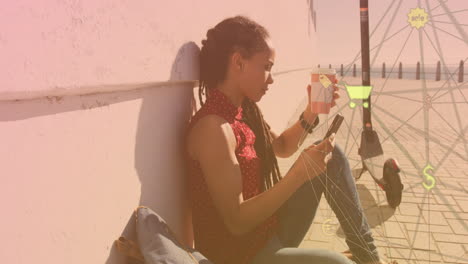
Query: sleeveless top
[[212, 238]]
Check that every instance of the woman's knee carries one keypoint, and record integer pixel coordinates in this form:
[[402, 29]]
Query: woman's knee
[[337, 153]]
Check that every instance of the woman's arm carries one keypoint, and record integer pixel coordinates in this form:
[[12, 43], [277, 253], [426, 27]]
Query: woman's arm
[[287, 143], [216, 153]]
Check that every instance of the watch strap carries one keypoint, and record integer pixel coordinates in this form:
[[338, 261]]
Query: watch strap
[[307, 126]]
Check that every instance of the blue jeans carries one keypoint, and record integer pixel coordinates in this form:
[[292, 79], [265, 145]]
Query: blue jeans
[[297, 213]]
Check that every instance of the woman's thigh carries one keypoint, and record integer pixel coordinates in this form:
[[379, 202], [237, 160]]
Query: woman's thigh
[[297, 213], [275, 253]]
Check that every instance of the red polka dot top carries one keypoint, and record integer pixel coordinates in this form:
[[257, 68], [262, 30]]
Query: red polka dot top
[[212, 238]]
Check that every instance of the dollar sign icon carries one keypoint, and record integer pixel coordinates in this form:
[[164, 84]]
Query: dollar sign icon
[[328, 227], [429, 178]]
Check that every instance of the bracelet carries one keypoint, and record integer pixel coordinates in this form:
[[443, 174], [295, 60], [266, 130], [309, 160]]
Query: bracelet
[[308, 127]]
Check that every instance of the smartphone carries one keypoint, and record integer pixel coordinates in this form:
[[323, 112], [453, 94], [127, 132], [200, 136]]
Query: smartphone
[[334, 126]]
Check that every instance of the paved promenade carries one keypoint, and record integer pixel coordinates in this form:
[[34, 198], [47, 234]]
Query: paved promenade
[[430, 225]]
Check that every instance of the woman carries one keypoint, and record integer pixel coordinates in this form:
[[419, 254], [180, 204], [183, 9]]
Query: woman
[[243, 211]]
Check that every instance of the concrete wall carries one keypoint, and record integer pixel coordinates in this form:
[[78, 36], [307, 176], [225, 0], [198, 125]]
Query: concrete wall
[[94, 96]]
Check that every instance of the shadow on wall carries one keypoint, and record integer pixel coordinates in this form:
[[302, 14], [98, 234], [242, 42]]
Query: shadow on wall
[[164, 115]]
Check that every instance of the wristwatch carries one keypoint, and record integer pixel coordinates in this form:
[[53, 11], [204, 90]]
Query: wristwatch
[[308, 127]]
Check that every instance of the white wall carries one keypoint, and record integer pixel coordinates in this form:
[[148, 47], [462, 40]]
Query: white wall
[[75, 164]]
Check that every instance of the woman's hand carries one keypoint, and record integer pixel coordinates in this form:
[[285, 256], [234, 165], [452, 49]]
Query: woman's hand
[[313, 160]]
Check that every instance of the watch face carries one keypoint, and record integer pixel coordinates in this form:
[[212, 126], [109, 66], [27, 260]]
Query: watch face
[[316, 122], [306, 127]]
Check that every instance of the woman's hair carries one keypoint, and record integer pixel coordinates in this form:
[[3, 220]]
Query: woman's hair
[[241, 34]]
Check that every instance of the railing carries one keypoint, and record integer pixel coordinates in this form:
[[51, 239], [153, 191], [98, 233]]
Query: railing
[[383, 73], [81, 90]]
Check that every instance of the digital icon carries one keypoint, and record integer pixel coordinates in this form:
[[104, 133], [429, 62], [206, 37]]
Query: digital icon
[[417, 17], [328, 228], [358, 93], [429, 177], [324, 80]]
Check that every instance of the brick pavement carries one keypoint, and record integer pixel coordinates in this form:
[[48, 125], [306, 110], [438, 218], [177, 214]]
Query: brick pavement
[[428, 226]]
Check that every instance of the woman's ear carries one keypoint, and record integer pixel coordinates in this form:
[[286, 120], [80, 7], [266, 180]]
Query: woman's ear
[[237, 61]]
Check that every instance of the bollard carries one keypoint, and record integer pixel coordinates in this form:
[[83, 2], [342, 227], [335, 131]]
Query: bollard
[[461, 71], [383, 70], [418, 71], [400, 71], [437, 78], [354, 70]]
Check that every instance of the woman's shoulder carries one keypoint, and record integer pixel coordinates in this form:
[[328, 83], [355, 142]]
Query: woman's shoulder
[[208, 123], [206, 117], [210, 129]]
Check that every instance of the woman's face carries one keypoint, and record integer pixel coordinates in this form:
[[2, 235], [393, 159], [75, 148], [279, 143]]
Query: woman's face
[[256, 73]]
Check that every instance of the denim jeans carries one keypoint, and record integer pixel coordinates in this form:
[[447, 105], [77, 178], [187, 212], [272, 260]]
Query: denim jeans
[[297, 213]]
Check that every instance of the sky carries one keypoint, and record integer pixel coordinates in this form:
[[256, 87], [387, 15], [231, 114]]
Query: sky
[[338, 30]]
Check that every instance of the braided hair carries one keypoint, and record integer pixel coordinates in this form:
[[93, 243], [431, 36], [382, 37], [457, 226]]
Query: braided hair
[[242, 34]]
